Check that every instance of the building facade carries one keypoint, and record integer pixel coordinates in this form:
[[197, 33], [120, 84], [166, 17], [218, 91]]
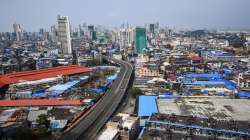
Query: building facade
[[140, 40], [17, 30], [126, 37], [244, 80], [64, 34]]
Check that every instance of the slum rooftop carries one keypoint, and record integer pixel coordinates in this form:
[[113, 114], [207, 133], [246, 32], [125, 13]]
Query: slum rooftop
[[217, 108]]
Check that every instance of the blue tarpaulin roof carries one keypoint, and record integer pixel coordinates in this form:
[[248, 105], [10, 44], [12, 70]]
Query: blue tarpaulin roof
[[208, 83], [111, 78], [40, 93], [244, 94], [60, 88], [227, 70], [167, 93], [58, 124], [100, 90], [169, 96], [206, 75], [112, 50], [24, 92], [147, 106], [187, 91], [230, 85], [220, 94], [220, 53]]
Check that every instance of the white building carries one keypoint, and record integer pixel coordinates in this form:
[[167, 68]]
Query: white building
[[244, 80], [64, 34], [125, 37], [17, 30]]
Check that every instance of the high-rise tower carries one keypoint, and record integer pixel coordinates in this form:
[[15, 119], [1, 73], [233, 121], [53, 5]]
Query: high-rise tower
[[140, 39], [17, 30], [64, 34]]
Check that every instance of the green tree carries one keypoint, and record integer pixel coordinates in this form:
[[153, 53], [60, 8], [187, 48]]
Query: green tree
[[40, 132], [177, 87], [43, 120], [23, 133], [145, 137], [135, 92]]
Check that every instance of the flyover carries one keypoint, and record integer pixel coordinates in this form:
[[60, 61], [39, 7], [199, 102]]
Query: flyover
[[89, 125]]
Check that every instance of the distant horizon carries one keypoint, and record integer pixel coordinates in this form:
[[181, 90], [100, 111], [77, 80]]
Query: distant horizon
[[118, 26], [184, 15]]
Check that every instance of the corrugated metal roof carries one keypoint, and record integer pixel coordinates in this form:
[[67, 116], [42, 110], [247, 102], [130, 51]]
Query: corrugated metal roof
[[64, 86], [41, 74], [4, 115], [208, 83], [38, 102], [46, 80], [147, 105], [207, 75], [61, 88]]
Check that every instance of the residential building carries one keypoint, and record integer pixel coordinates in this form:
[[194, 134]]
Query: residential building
[[125, 37], [244, 80]]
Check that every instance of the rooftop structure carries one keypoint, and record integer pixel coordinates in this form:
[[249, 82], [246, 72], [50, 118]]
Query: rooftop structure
[[217, 108], [244, 80], [36, 82], [219, 55], [208, 80], [60, 88], [108, 134], [41, 74], [4, 115], [40, 102], [33, 114], [181, 127], [208, 83], [147, 106], [205, 75]]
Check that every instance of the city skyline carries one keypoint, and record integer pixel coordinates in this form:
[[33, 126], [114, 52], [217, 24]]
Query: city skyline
[[192, 14], [124, 69]]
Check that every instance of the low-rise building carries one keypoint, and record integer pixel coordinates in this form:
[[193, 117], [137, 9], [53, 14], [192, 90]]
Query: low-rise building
[[123, 127], [244, 80], [147, 72]]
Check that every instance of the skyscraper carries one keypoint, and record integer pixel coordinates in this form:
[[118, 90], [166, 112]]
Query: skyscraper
[[152, 28], [64, 34], [92, 32], [53, 33], [140, 39], [17, 30]]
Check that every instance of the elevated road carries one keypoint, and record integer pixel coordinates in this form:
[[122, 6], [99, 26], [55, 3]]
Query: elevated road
[[88, 127]]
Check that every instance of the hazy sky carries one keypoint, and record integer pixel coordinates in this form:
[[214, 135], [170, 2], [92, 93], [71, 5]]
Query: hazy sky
[[216, 14]]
